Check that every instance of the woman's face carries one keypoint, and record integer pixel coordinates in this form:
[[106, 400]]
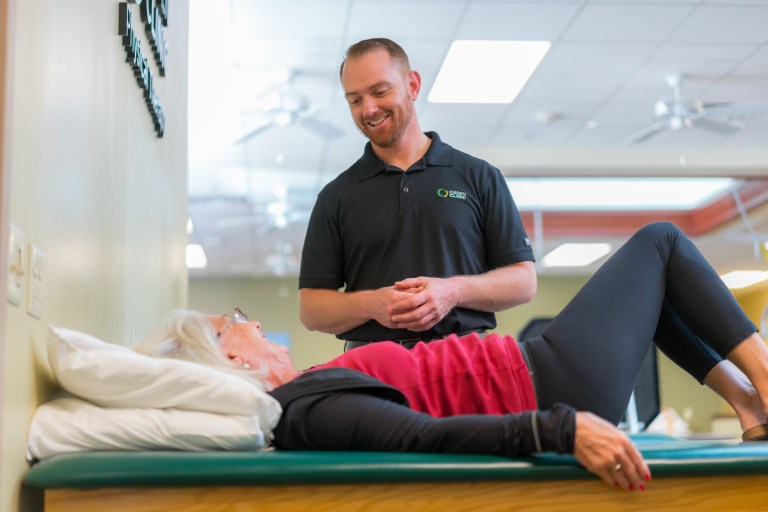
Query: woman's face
[[243, 343]]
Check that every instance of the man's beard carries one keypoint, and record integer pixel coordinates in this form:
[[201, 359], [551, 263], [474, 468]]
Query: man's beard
[[399, 120]]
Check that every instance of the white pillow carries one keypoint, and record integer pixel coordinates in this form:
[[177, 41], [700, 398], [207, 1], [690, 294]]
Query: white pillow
[[112, 375], [72, 425]]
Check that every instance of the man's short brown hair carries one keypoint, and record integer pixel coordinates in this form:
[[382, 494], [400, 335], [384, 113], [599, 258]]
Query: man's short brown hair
[[366, 45]]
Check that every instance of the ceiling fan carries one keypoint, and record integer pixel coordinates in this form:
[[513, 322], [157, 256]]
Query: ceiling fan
[[268, 216], [283, 106], [679, 113]]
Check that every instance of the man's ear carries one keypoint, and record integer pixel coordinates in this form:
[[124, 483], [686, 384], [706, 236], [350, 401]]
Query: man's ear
[[414, 84]]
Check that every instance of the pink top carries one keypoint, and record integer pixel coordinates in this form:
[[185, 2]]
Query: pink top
[[452, 376]]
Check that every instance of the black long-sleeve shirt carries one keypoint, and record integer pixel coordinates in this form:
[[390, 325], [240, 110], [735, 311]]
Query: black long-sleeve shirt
[[342, 409]]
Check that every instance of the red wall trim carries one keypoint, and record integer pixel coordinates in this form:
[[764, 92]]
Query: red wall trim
[[723, 209]]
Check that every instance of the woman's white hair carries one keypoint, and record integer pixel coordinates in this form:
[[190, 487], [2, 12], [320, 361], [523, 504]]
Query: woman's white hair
[[190, 336]]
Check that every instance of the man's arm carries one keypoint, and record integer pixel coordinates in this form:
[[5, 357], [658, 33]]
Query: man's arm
[[334, 312], [496, 290]]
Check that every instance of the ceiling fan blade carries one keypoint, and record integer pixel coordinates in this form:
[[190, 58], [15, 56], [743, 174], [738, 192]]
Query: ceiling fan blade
[[747, 108], [718, 126], [253, 131], [325, 130], [647, 132]]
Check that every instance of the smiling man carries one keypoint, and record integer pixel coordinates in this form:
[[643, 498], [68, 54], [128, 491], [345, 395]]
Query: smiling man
[[425, 240]]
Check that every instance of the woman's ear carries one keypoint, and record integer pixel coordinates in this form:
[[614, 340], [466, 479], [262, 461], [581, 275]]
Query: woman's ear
[[235, 359]]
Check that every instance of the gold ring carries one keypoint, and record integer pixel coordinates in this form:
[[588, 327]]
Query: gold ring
[[617, 468]]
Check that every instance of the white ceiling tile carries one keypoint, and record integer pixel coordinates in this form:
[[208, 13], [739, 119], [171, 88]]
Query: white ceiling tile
[[270, 54], [728, 3], [400, 20], [756, 64], [628, 23], [755, 135], [724, 24], [575, 86], [618, 58], [426, 57], [535, 21], [703, 51], [531, 136], [676, 2], [258, 19], [698, 76], [555, 114], [454, 121], [738, 88]]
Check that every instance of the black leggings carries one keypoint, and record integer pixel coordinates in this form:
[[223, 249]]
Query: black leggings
[[657, 287]]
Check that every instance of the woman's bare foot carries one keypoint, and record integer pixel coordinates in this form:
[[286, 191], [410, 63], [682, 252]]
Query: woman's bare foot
[[734, 387]]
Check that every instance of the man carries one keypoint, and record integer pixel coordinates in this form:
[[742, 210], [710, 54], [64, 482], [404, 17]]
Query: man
[[425, 239]]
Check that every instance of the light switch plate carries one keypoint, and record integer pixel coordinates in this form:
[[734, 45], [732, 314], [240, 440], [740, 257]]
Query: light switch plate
[[16, 265], [36, 285]]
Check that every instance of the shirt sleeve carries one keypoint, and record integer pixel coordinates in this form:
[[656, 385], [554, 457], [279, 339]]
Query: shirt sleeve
[[506, 241], [355, 421], [322, 257]]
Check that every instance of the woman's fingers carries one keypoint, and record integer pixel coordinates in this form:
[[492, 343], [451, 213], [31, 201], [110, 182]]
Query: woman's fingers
[[609, 453]]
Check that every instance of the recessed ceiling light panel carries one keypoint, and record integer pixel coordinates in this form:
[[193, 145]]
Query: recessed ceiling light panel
[[743, 278], [576, 255], [196, 256], [486, 71]]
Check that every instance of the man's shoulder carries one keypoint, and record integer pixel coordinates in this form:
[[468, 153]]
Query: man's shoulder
[[350, 176], [334, 187], [460, 159]]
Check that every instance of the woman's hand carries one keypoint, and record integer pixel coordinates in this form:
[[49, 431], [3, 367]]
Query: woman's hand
[[607, 452]]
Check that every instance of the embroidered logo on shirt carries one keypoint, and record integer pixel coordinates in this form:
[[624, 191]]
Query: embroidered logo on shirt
[[455, 194]]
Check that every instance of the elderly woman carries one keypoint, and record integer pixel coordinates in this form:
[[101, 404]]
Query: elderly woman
[[562, 391]]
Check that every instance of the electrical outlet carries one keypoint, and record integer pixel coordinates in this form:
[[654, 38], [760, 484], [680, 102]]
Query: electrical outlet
[[16, 265], [36, 284]]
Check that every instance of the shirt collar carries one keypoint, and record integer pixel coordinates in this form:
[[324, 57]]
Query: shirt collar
[[438, 154]]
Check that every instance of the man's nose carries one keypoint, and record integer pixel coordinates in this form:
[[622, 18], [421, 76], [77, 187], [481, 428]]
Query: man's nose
[[370, 106]]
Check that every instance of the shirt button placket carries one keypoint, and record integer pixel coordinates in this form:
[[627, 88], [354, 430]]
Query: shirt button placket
[[405, 196]]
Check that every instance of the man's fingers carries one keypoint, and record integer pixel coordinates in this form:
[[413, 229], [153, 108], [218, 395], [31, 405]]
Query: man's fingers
[[419, 324], [409, 304]]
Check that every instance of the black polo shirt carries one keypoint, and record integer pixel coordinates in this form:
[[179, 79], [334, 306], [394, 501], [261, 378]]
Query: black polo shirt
[[448, 214]]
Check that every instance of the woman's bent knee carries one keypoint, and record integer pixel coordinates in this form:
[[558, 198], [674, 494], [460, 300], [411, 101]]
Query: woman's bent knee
[[661, 229]]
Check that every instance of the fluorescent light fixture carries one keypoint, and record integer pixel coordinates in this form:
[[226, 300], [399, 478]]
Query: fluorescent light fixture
[[576, 255], [196, 256], [486, 71], [598, 194], [743, 278], [190, 225]]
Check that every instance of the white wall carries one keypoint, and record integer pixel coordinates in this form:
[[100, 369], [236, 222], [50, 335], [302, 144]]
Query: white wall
[[93, 187]]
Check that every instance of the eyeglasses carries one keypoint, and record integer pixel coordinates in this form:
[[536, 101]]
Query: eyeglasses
[[237, 317]]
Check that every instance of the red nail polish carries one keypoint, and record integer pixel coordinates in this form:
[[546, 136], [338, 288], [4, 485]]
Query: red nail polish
[[642, 487], [647, 476], [631, 487]]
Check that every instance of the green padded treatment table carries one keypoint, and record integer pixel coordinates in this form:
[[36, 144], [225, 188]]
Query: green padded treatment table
[[687, 475]]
